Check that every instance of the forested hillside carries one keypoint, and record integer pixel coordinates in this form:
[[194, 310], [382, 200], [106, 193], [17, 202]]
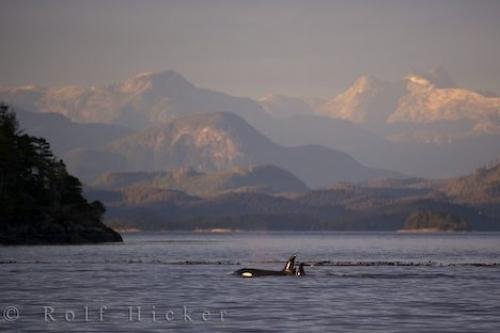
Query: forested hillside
[[40, 202]]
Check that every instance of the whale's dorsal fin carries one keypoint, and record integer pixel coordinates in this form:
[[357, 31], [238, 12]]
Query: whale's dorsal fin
[[290, 265]]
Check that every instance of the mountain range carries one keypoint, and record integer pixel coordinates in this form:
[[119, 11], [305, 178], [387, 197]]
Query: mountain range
[[219, 141], [65, 134], [139, 102], [261, 179], [422, 125], [418, 99], [155, 202], [204, 142]]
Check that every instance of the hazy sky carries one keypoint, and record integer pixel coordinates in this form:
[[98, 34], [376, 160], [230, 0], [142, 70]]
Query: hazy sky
[[249, 48]]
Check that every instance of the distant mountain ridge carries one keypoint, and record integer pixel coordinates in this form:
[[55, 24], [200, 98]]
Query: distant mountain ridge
[[207, 142], [422, 125], [481, 187], [417, 100], [382, 205], [368, 101], [149, 98], [285, 106], [261, 179], [219, 141], [65, 135], [138, 102]]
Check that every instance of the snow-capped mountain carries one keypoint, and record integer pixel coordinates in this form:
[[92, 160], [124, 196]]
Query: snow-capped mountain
[[423, 124], [138, 102], [423, 107], [368, 101]]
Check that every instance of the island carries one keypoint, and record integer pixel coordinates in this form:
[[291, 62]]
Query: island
[[40, 202]]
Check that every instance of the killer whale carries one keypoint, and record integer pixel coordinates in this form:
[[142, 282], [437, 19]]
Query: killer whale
[[288, 270], [301, 271]]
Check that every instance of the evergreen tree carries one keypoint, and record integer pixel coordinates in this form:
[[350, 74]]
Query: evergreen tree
[[39, 200]]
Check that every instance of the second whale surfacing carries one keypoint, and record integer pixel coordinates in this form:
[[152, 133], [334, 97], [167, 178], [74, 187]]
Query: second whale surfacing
[[288, 270]]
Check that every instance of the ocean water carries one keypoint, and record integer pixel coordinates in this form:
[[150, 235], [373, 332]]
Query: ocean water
[[182, 282]]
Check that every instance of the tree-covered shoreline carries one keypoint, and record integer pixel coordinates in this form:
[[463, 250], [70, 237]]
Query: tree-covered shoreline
[[435, 221], [40, 202]]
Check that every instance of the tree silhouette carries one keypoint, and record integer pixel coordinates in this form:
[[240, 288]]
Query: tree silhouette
[[39, 200]]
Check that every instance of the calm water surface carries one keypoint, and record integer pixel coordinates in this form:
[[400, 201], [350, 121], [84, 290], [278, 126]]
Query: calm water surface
[[366, 284]]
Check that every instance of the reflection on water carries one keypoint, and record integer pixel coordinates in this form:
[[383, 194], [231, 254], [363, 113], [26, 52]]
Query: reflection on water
[[355, 282]]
